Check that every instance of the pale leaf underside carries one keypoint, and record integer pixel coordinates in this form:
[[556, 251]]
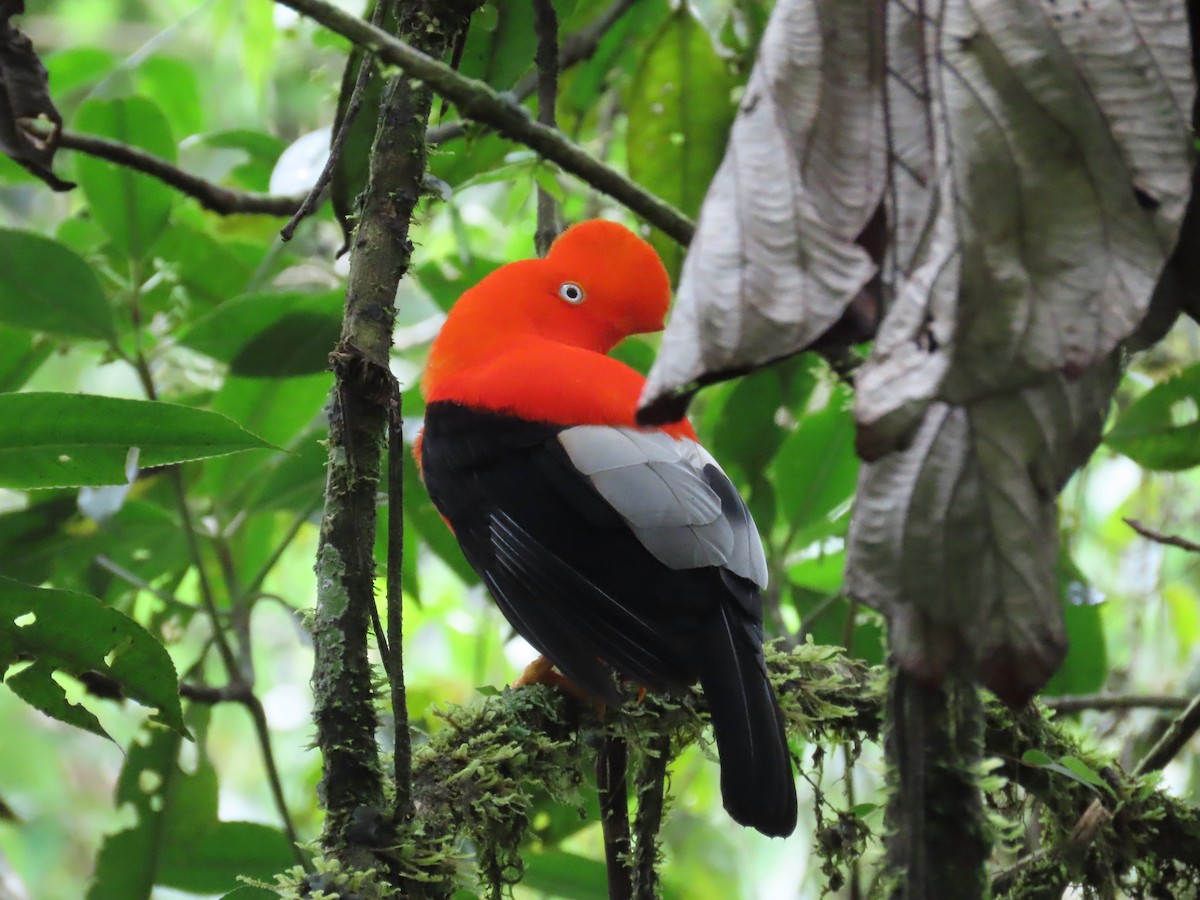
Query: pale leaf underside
[[1034, 161]]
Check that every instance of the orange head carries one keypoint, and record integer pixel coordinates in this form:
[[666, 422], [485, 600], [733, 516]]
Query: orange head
[[531, 338], [599, 283]]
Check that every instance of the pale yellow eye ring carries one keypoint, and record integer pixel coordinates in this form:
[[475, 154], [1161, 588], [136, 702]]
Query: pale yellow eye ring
[[571, 292]]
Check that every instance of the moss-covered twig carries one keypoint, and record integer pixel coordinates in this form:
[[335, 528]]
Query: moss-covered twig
[[352, 787], [475, 782]]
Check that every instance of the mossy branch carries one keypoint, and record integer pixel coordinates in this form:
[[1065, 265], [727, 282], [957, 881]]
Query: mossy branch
[[477, 781], [363, 400]]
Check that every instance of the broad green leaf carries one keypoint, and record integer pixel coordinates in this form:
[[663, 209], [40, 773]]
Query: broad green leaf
[[36, 686], [745, 433], [127, 866], [73, 633], [1161, 430], [500, 44], [210, 270], [46, 287], [21, 353], [816, 468], [680, 109], [271, 335], [1085, 668], [178, 841], [133, 208], [566, 875], [68, 440]]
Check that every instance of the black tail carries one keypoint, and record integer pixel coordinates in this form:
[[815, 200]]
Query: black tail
[[756, 767]]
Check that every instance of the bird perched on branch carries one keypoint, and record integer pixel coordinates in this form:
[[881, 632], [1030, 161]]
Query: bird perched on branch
[[606, 545]]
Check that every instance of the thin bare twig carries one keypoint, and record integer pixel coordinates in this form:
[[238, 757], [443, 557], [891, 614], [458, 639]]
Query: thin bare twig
[[365, 68], [478, 100], [1178, 733], [1158, 537], [1110, 702], [214, 197], [576, 48], [113, 568], [545, 23]]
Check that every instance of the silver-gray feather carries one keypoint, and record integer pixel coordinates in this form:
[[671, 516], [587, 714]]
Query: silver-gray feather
[[673, 495]]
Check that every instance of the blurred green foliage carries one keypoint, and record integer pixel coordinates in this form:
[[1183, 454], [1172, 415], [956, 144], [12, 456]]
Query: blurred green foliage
[[126, 288]]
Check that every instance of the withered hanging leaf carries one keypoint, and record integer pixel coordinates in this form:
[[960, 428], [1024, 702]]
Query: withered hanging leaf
[[1038, 158], [775, 262], [955, 538], [25, 101], [1042, 167]]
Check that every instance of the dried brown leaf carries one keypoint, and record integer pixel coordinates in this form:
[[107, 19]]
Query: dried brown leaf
[[25, 102]]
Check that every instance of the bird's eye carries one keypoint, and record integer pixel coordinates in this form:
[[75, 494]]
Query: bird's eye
[[571, 292]]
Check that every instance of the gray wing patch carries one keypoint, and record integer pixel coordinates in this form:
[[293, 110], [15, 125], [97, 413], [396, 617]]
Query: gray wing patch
[[672, 494]]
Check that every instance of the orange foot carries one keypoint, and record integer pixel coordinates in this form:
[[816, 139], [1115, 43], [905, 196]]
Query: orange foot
[[541, 671]]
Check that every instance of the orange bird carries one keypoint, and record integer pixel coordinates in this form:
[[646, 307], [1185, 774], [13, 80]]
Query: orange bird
[[606, 545]]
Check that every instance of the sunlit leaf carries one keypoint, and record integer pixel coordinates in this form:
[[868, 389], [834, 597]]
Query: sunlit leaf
[[65, 440], [1161, 430], [75, 634]]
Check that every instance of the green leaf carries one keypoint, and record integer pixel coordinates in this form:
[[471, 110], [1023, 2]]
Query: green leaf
[[1068, 766], [73, 633], [133, 208], [1161, 430], [500, 44], [1085, 668], [1086, 774], [21, 354], [680, 110], [816, 468], [1035, 757], [68, 440], [178, 840], [208, 860], [750, 437], [127, 866], [46, 287], [37, 687], [271, 335], [566, 875]]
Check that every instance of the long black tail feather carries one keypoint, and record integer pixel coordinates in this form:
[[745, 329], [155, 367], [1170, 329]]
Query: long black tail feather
[[757, 785]]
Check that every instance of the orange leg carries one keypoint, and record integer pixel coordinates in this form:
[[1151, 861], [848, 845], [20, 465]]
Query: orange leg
[[541, 671]]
